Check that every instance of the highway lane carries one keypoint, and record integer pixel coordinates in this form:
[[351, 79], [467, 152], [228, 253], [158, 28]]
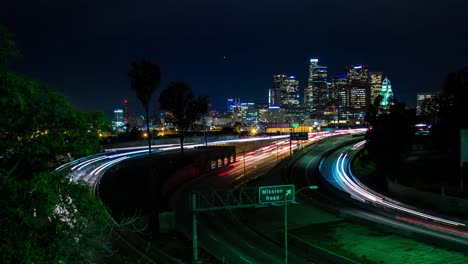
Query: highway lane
[[335, 168], [220, 232], [244, 244], [91, 169]]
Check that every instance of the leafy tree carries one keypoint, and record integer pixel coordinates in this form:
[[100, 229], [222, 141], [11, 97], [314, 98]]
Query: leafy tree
[[45, 216], [145, 78], [8, 48], [49, 219], [35, 115], [452, 108], [373, 111], [180, 100], [389, 139]]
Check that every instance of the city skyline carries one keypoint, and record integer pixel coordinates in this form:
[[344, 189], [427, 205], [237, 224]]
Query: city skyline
[[232, 49]]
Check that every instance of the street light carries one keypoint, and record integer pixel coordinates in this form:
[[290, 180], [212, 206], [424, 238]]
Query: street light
[[311, 187]]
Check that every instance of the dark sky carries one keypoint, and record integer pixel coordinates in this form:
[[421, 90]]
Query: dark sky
[[225, 48]]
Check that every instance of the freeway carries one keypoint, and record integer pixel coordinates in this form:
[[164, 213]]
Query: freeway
[[221, 233], [366, 203], [90, 170]]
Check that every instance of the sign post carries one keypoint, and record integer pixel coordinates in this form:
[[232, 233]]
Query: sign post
[[299, 136]]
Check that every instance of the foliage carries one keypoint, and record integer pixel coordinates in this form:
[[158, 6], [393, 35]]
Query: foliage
[[373, 111], [8, 48], [49, 219], [45, 217], [145, 78], [390, 138], [180, 100], [40, 124], [452, 109]]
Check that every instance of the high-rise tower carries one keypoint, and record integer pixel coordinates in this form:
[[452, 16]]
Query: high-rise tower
[[339, 91], [316, 94], [274, 97], [284, 92], [386, 93], [359, 89], [289, 92], [375, 85]]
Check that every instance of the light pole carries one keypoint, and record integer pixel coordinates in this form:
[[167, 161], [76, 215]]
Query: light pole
[[311, 187]]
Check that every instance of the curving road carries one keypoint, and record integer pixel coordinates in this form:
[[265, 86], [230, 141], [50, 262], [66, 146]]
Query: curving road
[[335, 169]]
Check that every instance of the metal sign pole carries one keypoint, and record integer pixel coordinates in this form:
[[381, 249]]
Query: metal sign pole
[[195, 238], [285, 230]]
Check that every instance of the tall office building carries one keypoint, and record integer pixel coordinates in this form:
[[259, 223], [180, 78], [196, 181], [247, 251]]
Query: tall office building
[[289, 92], [274, 96], [316, 94], [340, 95], [339, 91], [386, 93], [375, 85], [232, 104], [359, 89], [284, 92], [118, 120]]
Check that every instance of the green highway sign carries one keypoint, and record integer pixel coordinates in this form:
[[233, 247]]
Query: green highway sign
[[299, 136], [294, 125], [276, 193]]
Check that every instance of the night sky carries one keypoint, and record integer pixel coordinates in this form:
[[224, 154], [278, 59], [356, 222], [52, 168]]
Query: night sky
[[225, 48]]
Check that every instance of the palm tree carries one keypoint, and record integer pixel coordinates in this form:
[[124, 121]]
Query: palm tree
[[145, 78]]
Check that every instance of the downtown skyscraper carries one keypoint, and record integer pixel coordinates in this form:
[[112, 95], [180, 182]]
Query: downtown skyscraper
[[358, 90], [386, 92], [316, 94], [285, 91], [375, 85]]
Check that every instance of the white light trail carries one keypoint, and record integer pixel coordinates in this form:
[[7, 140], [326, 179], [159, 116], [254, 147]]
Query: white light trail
[[357, 191]]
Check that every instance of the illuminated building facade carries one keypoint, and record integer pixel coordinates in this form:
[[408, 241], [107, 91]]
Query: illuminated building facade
[[386, 93], [290, 92], [274, 96], [118, 120], [286, 91], [316, 94], [426, 103], [340, 94], [232, 104], [252, 116], [375, 79], [359, 90]]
